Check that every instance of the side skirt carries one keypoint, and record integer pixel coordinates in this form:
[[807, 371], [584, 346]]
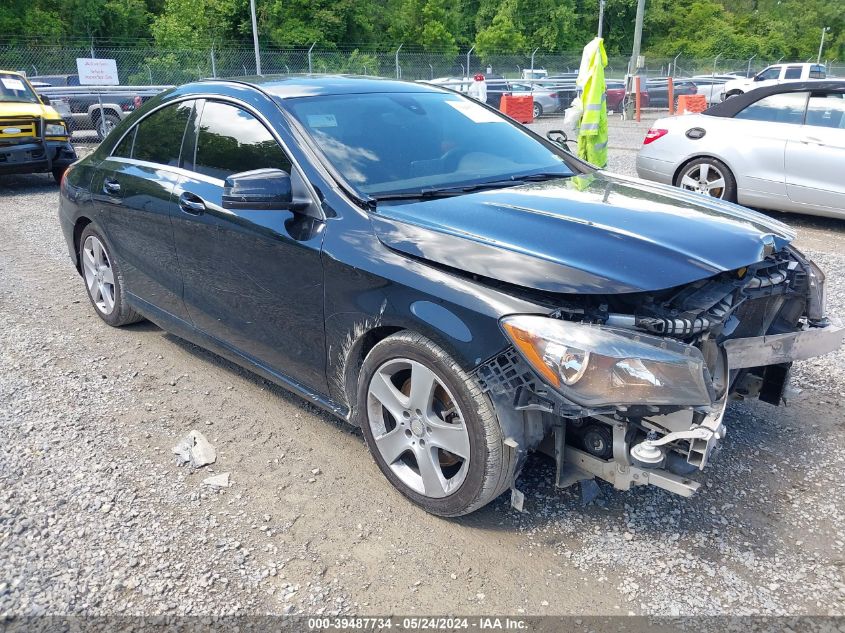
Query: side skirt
[[184, 330]]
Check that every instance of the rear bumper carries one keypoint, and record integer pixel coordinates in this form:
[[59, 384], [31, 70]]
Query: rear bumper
[[655, 169], [28, 158]]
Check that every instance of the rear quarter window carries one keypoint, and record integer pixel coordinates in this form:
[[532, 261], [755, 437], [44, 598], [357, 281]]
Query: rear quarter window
[[778, 108]]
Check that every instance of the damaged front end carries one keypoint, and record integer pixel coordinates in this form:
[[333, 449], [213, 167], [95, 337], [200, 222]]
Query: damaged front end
[[632, 388]]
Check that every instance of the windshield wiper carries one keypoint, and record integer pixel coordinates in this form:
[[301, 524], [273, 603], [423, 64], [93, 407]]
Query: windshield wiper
[[446, 192]]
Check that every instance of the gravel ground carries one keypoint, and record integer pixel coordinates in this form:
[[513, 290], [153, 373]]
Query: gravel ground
[[97, 517]]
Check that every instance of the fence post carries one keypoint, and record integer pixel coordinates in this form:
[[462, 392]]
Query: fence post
[[397, 60], [213, 64], [309, 57], [469, 52], [675, 65], [748, 72], [534, 52]]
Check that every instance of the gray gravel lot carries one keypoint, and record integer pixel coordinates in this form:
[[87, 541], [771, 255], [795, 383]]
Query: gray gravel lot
[[97, 517]]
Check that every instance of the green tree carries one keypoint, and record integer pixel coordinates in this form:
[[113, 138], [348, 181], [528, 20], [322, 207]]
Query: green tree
[[503, 35]]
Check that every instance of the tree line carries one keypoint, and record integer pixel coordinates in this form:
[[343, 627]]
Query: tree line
[[770, 29]]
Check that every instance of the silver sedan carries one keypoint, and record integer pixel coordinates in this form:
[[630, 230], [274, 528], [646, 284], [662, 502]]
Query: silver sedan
[[779, 147]]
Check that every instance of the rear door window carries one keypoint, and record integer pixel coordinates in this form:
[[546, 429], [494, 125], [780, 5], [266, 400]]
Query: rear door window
[[779, 108], [231, 140], [826, 110], [158, 138], [124, 148], [792, 72]]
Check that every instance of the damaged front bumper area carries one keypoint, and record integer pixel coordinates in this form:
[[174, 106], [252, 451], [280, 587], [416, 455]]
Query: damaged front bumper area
[[634, 408]]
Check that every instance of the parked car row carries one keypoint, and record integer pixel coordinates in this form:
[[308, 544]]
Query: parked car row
[[97, 108]]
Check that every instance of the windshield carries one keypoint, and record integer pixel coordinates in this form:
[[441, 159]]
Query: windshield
[[13, 88], [387, 143]]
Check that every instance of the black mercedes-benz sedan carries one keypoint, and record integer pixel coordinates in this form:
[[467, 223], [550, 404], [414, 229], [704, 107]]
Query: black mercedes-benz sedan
[[462, 289]]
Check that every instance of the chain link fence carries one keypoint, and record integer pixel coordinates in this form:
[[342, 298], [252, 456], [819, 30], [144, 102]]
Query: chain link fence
[[154, 66]]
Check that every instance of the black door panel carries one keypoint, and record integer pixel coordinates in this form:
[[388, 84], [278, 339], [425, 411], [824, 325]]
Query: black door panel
[[135, 202], [253, 279]]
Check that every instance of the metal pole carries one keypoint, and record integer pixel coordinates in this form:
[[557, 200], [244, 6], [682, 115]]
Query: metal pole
[[469, 52], [635, 54], [213, 63], [534, 52], [432, 71], [638, 36], [102, 120], [255, 38], [675, 65], [397, 60], [748, 72], [601, 17], [309, 56], [150, 73], [821, 46], [715, 61]]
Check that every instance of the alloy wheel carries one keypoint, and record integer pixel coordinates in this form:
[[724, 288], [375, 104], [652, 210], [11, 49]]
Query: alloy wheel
[[704, 178], [99, 274], [418, 428]]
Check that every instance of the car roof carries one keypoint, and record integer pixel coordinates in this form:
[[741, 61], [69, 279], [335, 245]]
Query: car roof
[[733, 105], [291, 86]]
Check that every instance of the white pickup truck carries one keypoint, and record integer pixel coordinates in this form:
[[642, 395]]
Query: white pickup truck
[[775, 74]]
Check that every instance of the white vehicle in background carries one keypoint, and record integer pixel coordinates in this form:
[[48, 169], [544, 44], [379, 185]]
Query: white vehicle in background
[[779, 147], [773, 75], [712, 86], [535, 73]]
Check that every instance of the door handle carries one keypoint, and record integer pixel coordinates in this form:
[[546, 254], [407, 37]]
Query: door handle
[[812, 140], [111, 186], [189, 203]]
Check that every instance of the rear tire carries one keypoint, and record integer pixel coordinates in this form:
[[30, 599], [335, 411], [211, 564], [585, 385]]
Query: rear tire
[[733, 93], [708, 176], [538, 110], [403, 371], [103, 279]]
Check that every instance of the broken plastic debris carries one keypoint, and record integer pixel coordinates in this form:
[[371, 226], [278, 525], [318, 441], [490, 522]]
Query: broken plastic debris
[[517, 500], [217, 481], [197, 450], [590, 491]]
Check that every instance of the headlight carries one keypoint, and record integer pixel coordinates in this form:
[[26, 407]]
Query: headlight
[[55, 129], [594, 365]]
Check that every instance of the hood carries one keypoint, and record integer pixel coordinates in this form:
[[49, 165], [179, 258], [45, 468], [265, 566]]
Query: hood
[[22, 108], [594, 234]]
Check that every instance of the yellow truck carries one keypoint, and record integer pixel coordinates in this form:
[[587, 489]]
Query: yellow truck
[[33, 136]]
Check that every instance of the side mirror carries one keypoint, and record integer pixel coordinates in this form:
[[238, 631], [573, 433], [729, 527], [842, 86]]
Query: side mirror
[[559, 137], [260, 190], [44, 99]]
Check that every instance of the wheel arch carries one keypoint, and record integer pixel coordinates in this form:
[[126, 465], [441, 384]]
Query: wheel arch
[[81, 222]]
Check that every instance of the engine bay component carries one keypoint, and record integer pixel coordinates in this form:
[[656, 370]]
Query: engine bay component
[[597, 439]]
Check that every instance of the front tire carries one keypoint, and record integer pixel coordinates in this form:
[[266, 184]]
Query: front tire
[[430, 429], [538, 110], [104, 280], [106, 125]]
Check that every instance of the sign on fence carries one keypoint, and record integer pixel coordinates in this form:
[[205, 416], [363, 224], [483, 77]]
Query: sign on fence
[[97, 72]]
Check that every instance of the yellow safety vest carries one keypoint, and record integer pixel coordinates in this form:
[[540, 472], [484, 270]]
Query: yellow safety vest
[[592, 134]]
